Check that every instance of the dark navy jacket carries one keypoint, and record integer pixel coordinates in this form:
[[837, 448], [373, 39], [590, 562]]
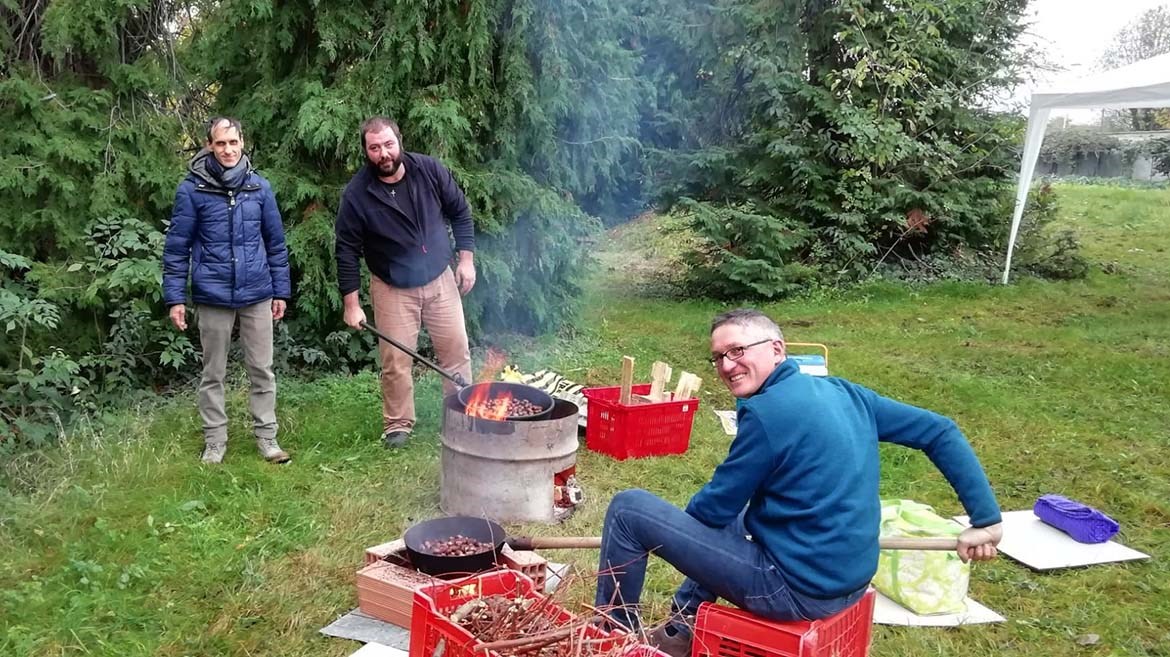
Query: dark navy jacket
[[231, 242], [403, 252]]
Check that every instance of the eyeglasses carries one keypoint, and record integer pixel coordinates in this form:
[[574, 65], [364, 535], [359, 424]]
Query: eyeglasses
[[735, 353]]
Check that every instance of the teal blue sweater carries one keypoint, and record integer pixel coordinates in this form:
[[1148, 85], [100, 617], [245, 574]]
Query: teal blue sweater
[[805, 462]]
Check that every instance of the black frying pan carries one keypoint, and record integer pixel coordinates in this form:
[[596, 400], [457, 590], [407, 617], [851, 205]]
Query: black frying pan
[[441, 529], [482, 530], [536, 396]]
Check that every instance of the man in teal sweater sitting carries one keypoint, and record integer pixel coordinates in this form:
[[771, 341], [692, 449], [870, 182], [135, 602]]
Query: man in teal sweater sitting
[[787, 528]]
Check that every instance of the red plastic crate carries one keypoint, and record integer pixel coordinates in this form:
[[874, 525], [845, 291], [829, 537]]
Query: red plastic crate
[[637, 430], [430, 623], [726, 632]]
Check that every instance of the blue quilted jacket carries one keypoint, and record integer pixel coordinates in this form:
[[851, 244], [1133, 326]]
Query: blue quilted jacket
[[230, 241]]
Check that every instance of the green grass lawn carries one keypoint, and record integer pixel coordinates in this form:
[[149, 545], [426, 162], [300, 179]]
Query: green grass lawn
[[121, 543]]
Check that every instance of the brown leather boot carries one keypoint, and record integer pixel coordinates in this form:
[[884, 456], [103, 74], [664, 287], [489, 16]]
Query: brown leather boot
[[671, 639]]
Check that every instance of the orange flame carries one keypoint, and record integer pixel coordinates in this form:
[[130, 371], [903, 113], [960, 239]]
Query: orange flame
[[494, 408], [493, 363]]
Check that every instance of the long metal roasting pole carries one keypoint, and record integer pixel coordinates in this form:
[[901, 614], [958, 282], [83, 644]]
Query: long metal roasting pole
[[455, 378]]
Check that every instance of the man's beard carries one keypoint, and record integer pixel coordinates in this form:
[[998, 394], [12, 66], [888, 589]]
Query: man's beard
[[387, 167]]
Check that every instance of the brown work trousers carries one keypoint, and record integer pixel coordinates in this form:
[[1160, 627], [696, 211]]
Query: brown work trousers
[[400, 313]]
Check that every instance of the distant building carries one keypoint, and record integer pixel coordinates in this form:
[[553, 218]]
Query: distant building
[[1113, 163]]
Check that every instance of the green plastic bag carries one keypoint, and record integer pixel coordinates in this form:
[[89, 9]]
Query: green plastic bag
[[923, 581]]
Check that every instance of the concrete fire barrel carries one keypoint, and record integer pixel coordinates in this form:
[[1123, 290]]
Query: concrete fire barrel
[[504, 470]]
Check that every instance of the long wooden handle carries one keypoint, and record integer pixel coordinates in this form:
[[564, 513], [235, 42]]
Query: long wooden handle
[[911, 543], [554, 542], [594, 542]]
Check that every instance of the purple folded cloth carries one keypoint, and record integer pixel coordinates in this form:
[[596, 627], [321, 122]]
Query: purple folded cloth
[[1084, 523]]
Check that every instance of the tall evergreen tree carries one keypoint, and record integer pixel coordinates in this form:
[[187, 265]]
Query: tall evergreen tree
[[532, 105], [88, 92], [848, 132]]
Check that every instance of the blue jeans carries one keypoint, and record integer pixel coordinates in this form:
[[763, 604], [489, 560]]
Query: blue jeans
[[718, 563]]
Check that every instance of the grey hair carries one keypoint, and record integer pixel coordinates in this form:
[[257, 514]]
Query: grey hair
[[232, 123], [749, 318], [377, 123]]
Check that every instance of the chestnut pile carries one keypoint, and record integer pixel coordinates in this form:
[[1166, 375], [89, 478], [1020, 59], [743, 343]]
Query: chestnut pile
[[456, 546], [514, 408]]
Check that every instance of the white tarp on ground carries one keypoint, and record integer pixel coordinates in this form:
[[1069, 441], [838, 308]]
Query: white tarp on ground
[[1141, 84]]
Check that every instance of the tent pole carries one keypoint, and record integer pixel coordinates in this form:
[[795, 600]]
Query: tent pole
[[1037, 125]]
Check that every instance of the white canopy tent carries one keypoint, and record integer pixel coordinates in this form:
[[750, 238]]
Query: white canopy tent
[[1141, 84]]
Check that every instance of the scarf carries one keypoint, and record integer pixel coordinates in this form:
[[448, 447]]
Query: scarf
[[232, 178], [207, 168]]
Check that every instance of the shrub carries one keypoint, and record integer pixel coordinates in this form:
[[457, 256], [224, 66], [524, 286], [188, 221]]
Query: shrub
[[1041, 252]]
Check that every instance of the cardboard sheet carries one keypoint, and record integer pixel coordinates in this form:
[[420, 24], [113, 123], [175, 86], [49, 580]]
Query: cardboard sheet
[[888, 612], [378, 650], [555, 574], [1041, 547], [367, 629]]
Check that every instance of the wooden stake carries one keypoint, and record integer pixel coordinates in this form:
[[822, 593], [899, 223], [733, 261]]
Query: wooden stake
[[627, 379], [688, 386], [696, 382], [659, 377]]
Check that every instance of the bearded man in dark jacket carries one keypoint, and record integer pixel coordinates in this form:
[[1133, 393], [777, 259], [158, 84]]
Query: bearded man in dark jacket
[[226, 233], [395, 212]]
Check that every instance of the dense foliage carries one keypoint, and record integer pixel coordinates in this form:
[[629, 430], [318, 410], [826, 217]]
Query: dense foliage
[[849, 132], [518, 98], [1160, 152], [808, 140], [531, 104], [88, 168], [1043, 251], [1085, 148]]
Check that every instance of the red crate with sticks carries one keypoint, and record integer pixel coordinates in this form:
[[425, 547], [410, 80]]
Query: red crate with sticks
[[434, 634]]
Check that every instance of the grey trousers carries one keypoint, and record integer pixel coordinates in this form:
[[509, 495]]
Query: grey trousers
[[215, 333]]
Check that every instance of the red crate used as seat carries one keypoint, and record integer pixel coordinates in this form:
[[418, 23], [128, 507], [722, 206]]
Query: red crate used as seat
[[726, 632], [637, 430]]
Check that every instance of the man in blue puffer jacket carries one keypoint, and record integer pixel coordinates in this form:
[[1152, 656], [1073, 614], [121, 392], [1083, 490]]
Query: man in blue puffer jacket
[[227, 233], [788, 526]]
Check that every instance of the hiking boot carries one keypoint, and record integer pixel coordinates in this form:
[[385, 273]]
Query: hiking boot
[[673, 638], [271, 450], [392, 438], [213, 452]]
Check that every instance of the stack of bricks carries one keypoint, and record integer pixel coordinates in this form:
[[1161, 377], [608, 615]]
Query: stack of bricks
[[386, 583], [530, 564], [393, 552]]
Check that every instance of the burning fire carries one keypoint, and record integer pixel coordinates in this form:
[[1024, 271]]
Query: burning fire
[[494, 408], [493, 363]]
